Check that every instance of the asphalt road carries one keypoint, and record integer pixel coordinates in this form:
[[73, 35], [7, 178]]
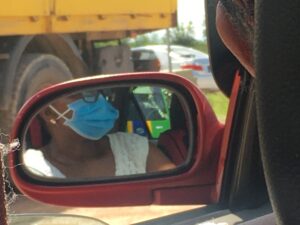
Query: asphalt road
[[110, 215]]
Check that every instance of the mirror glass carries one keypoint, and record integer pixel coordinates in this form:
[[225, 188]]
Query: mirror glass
[[107, 132]]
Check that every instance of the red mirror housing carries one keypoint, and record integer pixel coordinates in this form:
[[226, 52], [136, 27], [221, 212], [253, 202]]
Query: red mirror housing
[[193, 185]]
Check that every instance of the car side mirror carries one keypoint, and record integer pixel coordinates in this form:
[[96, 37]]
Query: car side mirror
[[93, 141]]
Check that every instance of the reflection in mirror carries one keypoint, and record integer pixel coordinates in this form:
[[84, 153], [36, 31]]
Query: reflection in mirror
[[107, 132]]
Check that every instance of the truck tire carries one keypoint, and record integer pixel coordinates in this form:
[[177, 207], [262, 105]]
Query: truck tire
[[35, 71]]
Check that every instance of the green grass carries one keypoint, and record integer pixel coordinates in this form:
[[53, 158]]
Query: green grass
[[219, 103]]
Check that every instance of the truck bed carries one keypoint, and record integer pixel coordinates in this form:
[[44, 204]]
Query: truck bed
[[19, 17]]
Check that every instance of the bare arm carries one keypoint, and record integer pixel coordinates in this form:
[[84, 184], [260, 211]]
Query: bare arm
[[157, 161]]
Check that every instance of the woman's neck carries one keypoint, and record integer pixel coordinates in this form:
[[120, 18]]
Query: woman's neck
[[77, 150]]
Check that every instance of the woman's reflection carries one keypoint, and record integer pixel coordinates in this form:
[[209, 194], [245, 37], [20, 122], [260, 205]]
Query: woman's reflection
[[80, 146]]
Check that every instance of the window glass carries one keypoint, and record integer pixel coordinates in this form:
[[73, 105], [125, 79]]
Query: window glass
[[152, 106], [143, 55]]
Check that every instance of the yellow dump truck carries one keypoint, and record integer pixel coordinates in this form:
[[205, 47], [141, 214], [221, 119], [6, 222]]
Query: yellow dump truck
[[47, 41]]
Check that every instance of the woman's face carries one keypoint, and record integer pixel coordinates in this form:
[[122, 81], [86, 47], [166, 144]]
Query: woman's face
[[58, 111], [60, 106], [87, 114], [56, 114]]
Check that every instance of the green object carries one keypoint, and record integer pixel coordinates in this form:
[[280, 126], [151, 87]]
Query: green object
[[153, 103], [219, 103]]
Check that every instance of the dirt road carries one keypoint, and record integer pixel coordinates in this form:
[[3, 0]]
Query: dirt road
[[110, 215]]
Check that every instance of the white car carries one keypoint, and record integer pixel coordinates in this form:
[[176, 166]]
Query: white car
[[179, 55], [155, 58], [188, 62]]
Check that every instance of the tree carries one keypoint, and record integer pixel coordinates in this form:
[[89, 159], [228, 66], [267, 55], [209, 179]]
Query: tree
[[185, 36], [145, 39], [182, 35]]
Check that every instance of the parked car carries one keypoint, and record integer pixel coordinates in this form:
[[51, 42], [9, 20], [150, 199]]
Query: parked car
[[201, 72], [195, 63], [179, 55], [155, 58]]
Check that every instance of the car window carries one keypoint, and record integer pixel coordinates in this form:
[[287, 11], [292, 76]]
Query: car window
[[187, 52], [184, 52], [149, 107], [143, 55], [148, 115]]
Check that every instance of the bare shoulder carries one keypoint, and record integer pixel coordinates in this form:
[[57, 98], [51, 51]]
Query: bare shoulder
[[157, 161]]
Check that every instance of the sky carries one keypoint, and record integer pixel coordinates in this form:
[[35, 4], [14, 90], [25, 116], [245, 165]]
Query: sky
[[192, 10]]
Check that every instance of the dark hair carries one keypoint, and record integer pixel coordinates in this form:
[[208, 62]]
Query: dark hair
[[241, 14], [38, 135]]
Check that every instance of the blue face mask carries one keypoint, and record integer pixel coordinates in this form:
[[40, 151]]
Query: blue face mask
[[91, 120]]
